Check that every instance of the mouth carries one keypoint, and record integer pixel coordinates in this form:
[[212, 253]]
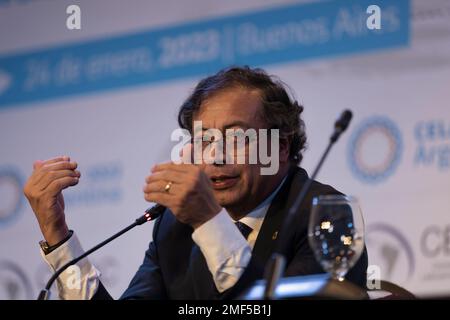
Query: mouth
[[221, 182]]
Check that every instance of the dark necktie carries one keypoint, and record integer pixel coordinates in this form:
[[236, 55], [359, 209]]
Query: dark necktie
[[243, 228]]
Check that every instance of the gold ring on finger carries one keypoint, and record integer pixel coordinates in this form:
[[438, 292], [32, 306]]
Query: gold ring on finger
[[168, 186]]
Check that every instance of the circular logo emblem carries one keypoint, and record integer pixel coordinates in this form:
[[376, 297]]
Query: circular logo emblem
[[14, 284], [391, 251], [10, 195], [375, 149]]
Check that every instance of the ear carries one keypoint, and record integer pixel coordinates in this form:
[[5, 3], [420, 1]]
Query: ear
[[285, 144]]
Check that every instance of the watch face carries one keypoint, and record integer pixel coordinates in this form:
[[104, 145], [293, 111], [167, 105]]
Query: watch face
[[44, 246], [47, 248]]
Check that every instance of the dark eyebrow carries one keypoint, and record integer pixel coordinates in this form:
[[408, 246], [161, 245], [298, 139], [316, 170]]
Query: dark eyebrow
[[236, 123]]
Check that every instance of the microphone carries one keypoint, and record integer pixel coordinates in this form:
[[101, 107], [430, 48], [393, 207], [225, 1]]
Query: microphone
[[341, 125], [150, 214], [276, 265]]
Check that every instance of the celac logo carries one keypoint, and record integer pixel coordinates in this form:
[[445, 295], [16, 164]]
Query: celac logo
[[375, 149], [10, 194]]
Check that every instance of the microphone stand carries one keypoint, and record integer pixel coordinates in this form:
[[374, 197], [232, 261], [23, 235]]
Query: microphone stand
[[150, 214], [277, 262]]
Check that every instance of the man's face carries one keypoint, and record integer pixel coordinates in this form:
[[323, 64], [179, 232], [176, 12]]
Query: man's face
[[235, 185]]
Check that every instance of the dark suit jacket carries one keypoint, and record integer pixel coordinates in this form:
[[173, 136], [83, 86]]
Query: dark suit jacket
[[175, 268]]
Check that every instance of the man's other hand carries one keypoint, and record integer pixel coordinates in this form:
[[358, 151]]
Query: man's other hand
[[43, 190]]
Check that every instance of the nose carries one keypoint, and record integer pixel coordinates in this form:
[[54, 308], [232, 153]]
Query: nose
[[219, 153], [218, 164]]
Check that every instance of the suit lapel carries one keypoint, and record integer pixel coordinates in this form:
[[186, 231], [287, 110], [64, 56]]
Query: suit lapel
[[283, 200]]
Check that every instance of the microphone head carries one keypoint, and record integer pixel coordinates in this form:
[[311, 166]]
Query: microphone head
[[341, 125], [151, 213], [344, 120], [155, 211]]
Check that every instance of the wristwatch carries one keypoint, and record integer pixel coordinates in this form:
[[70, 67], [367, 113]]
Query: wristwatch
[[46, 248]]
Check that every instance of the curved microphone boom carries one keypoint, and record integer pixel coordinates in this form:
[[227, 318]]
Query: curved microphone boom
[[150, 214], [276, 265]]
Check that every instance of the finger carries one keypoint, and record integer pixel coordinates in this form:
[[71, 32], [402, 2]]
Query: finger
[[158, 197], [159, 186], [39, 163], [39, 174], [166, 175], [55, 175], [170, 166], [58, 185], [62, 165]]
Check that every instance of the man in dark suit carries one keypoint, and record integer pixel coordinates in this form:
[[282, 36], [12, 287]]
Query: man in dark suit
[[223, 214]]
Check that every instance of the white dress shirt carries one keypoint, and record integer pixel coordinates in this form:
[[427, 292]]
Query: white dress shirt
[[226, 251]]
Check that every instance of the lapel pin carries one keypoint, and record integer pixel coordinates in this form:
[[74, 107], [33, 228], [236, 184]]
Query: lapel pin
[[275, 235]]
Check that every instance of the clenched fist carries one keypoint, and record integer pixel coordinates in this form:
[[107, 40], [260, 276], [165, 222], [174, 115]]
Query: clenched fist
[[185, 189], [43, 190]]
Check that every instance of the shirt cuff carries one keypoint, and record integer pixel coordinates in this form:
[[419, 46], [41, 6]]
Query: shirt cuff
[[78, 282], [226, 251]]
